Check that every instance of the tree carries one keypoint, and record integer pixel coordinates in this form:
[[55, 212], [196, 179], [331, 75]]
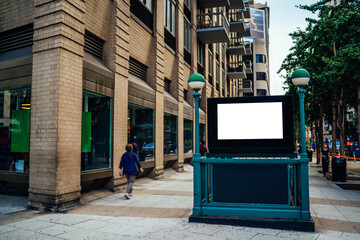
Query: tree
[[329, 48]]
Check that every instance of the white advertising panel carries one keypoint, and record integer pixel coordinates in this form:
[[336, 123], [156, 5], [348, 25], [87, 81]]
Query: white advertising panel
[[250, 121]]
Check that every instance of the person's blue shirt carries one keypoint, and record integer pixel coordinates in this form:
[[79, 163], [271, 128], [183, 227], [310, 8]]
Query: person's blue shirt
[[127, 162]]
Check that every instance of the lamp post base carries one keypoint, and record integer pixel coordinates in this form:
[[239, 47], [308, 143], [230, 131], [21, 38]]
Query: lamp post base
[[283, 224]]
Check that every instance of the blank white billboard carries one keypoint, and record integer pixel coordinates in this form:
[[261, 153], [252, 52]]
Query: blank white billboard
[[250, 121]]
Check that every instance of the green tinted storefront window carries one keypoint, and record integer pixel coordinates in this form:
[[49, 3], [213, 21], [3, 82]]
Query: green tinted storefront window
[[96, 131], [15, 130], [170, 134], [188, 136]]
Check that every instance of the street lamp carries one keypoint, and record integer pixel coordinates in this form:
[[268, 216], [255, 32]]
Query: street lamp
[[196, 82], [300, 78]]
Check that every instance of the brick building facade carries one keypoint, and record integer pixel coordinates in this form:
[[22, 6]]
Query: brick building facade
[[81, 79]]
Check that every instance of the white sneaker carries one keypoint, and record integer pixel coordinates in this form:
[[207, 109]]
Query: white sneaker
[[130, 194], [127, 196]]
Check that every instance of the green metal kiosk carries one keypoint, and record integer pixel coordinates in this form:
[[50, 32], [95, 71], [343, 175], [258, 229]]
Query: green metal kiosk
[[252, 178]]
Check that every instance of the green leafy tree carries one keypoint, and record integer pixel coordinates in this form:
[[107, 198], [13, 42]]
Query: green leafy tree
[[329, 48]]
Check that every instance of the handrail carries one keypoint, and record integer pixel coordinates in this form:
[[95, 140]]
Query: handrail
[[207, 20]]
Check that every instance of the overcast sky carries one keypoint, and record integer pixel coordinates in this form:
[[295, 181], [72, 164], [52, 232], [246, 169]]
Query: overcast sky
[[284, 18]]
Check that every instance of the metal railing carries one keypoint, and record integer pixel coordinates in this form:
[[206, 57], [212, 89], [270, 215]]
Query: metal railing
[[236, 66], [235, 16], [292, 207], [235, 41], [212, 20]]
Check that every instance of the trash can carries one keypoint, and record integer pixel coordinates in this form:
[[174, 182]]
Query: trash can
[[338, 166]]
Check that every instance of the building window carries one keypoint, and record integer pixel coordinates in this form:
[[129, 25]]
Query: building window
[[170, 16], [187, 41], [187, 35], [185, 94], [187, 10], [148, 4], [15, 130], [167, 83], [141, 131], [260, 76], [260, 58], [96, 131], [170, 134], [217, 76], [142, 9], [200, 57], [261, 92], [211, 67], [188, 136]]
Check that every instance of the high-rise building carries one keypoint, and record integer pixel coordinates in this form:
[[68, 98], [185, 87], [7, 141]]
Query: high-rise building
[[259, 57], [81, 79]]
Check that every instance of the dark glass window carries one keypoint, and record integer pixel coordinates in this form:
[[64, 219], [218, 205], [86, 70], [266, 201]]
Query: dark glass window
[[143, 11], [170, 134], [188, 136], [185, 94], [211, 67], [217, 76], [260, 76], [261, 92], [96, 131], [260, 58], [187, 35], [170, 16], [141, 131], [15, 130]]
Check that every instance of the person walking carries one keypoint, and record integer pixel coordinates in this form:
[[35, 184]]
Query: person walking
[[129, 166], [203, 148], [325, 154]]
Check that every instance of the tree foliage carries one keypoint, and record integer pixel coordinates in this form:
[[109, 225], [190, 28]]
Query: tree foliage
[[329, 48]]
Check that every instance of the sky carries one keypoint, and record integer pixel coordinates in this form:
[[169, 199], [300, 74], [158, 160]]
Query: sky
[[284, 19]]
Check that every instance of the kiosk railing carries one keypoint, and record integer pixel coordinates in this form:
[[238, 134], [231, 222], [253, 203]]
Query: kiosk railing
[[229, 187]]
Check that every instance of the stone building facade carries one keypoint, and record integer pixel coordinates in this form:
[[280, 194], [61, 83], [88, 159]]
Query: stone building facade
[[81, 79]]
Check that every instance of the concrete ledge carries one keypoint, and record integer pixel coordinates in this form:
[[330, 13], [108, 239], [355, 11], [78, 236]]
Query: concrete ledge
[[283, 224]]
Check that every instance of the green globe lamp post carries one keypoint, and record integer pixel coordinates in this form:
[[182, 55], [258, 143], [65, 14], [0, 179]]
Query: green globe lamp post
[[197, 82], [300, 78]]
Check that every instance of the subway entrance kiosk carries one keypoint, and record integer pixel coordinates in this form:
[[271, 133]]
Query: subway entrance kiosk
[[252, 175]]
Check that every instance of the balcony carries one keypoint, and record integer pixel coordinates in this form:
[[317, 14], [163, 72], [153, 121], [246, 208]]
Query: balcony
[[236, 45], [213, 28], [248, 48], [236, 70], [214, 3], [248, 67], [237, 4], [236, 20], [246, 87]]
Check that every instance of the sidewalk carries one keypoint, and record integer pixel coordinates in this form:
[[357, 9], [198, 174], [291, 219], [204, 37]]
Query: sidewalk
[[160, 210]]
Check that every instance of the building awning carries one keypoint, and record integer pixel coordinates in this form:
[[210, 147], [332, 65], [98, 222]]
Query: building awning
[[97, 77], [188, 111], [141, 93], [171, 104]]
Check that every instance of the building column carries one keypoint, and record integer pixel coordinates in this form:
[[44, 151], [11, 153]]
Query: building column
[[116, 51], [156, 73], [56, 105], [179, 164]]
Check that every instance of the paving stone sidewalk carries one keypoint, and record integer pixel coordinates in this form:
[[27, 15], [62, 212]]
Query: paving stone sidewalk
[[160, 210]]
